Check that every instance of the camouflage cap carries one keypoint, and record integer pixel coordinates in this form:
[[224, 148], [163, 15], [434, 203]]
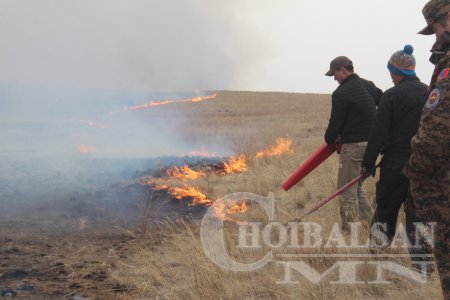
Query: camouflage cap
[[432, 11], [338, 62]]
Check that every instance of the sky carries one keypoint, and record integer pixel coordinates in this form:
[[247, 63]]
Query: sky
[[198, 45]]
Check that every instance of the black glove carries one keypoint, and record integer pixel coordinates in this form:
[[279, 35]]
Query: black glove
[[338, 145], [369, 171]]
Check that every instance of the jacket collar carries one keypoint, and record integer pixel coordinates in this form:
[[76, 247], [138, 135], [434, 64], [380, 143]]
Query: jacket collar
[[409, 78], [350, 77]]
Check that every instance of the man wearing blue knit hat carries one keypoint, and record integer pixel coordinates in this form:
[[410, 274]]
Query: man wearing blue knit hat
[[402, 63], [396, 122]]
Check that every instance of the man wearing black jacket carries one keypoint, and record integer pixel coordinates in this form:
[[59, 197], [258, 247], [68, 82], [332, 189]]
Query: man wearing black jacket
[[352, 114], [396, 122]]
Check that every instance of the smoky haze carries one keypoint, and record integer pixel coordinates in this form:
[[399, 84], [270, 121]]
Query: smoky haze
[[66, 61], [125, 45], [72, 155], [187, 45], [71, 123], [69, 69]]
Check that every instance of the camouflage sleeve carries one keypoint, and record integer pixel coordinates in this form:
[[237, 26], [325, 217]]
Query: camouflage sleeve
[[431, 145]]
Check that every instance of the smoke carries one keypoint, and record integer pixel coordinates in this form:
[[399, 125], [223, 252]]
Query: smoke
[[72, 123], [73, 154], [69, 70], [126, 45], [66, 61]]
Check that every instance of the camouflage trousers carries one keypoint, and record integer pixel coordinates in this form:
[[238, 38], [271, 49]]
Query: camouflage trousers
[[432, 200], [353, 204]]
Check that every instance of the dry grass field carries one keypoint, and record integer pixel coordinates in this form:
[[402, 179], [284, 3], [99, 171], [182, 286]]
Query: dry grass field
[[167, 261], [177, 268]]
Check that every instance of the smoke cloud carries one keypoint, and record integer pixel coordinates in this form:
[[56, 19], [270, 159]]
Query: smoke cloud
[[126, 45], [69, 71], [69, 61]]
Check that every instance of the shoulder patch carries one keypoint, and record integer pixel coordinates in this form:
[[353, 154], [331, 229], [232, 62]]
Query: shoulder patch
[[444, 74], [433, 99]]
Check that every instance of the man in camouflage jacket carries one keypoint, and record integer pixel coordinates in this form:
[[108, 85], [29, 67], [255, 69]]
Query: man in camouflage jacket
[[429, 165]]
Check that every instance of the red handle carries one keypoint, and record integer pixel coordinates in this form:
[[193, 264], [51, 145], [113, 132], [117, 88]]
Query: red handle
[[319, 156]]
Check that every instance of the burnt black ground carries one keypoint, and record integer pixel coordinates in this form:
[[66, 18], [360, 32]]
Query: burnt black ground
[[65, 227], [85, 195]]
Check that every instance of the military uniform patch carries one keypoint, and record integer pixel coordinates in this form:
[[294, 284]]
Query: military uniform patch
[[444, 74], [433, 99]]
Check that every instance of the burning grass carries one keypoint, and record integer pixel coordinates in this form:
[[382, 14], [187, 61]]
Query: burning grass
[[184, 261], [282, 145], [168, 261], [184, 173], [186, 192], [172, 183], [165, 102], [236, 164]]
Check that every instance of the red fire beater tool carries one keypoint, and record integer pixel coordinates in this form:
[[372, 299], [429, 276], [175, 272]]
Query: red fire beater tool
[[336, 193], [309, 165]]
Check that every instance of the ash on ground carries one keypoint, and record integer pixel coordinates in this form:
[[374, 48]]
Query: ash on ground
[[87, 195]]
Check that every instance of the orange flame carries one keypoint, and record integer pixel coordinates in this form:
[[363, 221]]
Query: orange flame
[[160, 187], [282, 145], [237, 208], [165, 102], [236, 164], [184, 173], [86, 149], [222, 210], [196, 196]]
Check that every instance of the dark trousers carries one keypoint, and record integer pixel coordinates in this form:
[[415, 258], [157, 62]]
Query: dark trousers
[[392, 190], [391, 193]]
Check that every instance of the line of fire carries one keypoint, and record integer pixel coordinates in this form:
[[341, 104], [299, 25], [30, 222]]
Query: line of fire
[[177, 183]]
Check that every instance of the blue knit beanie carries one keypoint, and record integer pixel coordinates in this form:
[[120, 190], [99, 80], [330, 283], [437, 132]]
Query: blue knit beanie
[[403, 63]]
